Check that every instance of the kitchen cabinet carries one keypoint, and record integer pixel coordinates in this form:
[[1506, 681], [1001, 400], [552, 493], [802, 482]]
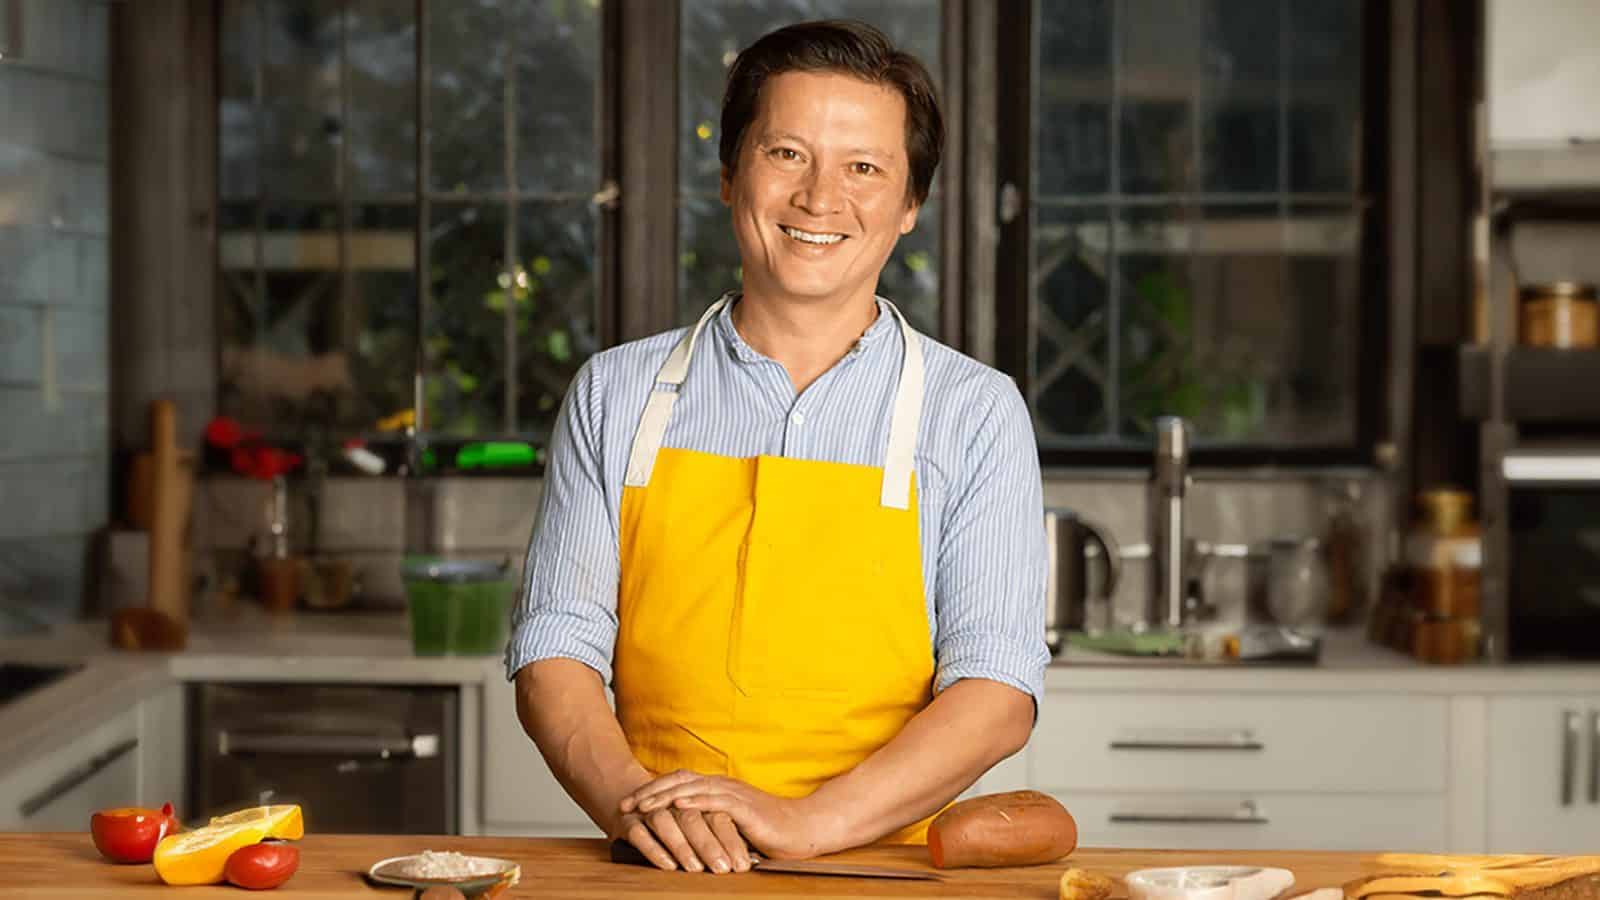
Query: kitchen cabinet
[[1290, 771], [520, 795], [1544, 773], [59, 790], [134, 758]]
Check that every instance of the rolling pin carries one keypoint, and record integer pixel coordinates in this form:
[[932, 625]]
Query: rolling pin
[[171, 485]]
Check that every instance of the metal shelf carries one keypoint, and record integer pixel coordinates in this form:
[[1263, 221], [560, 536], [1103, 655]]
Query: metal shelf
[[1542, 385]]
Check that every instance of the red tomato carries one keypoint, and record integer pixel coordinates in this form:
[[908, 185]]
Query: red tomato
[[262, 866], [129, 834]]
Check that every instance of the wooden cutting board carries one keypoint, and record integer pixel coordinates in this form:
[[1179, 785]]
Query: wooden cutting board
[[66, 865]]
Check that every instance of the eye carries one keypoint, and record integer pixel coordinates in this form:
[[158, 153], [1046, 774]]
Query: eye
[[785, 154], [864, 168]]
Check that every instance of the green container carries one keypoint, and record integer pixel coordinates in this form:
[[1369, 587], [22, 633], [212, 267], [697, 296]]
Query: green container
[[458, 607]]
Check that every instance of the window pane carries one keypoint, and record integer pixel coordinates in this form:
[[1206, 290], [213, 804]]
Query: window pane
[[467, 52], [1210, 275], [1073, 115], [382, 107], [300, 110], [558, 68], [1324, 61], [1070, 378], [550, 293], [464, 334], [1241, 96], [713, 32], [1157, 84]]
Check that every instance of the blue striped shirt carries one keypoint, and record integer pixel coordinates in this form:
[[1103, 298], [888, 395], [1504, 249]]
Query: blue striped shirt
[[980, 499]]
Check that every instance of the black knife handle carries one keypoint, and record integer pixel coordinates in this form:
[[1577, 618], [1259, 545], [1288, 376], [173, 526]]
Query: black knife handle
[[627, 854]]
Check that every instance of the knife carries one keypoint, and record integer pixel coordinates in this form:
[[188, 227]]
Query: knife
[[628, 854]]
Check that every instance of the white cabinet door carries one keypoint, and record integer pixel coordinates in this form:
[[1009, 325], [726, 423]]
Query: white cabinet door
[[1209, 821], [162, 748], [59, 791], [520, 795], [1289, 743], [1544, 773]]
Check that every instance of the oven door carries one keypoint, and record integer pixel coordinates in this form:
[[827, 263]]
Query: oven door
[[1554, 560], [368, 760]]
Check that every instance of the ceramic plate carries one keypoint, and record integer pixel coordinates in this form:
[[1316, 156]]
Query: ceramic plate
[[391, 871]]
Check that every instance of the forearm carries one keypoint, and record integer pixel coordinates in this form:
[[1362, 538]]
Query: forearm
[[968, 728], [562, 706]]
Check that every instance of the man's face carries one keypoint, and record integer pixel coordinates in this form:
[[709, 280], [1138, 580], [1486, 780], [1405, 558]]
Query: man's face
[[821, 192]]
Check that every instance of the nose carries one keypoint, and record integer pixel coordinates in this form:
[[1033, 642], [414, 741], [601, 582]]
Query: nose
[[820, 193]]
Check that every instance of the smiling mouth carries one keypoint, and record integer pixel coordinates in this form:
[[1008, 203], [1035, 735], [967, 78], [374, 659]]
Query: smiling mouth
[[816, 238]]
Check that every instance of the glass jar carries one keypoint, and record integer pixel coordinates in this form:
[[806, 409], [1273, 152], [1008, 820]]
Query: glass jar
[[1559, 314], [1444, 552]]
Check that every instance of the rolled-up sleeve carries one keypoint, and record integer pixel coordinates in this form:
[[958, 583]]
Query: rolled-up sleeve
[[992, 564], [568, 604]]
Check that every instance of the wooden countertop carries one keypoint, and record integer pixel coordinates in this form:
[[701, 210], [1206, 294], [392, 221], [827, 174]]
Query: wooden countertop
[[66, 865]]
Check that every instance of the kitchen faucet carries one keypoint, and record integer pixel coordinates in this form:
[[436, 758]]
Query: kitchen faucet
[[1169, 480]]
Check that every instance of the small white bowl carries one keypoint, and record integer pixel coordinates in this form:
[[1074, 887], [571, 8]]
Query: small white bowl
[[1209, 883]]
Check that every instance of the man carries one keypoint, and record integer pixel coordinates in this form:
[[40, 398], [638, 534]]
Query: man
[[803, 543]]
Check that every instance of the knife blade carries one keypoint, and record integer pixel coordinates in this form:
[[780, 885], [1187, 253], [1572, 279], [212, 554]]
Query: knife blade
[[626, 853]]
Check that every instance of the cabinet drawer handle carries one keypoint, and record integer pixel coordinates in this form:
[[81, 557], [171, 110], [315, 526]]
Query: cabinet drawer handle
[[1248, 814], [374, 746], [1594, 756], [1216, 739], [1569, 755], [63, 785]]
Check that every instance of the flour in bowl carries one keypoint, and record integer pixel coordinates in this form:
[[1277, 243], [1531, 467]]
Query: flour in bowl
[[449, 864]]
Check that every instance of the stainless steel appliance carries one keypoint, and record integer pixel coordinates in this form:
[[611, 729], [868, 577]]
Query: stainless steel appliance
[[1167, 606], [358, 759], [1553, 525], [1074, 543]]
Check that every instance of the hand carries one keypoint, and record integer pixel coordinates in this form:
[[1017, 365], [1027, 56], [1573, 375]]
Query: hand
[[670, 838], [780, 827]]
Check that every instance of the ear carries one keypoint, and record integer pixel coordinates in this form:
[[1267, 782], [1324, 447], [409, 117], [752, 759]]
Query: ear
[[908, 219], [726, 186]]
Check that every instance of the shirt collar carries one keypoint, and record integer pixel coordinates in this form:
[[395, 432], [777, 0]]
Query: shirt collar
[[746, 353]]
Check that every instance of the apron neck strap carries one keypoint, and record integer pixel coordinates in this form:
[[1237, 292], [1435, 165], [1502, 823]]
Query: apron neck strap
[[904, 422], [658, 409]]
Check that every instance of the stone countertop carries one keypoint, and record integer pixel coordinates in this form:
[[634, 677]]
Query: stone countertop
[[1349, 664], [375, 648], [248, 645]]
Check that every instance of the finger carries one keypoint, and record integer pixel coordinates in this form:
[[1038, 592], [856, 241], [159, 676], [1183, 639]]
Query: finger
[[667, 796], [727, 833], [638, 834], [665, 826], [671, 780], [706, 845]]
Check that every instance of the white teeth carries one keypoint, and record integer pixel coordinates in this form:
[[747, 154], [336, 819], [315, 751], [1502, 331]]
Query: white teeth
[[811, 238]]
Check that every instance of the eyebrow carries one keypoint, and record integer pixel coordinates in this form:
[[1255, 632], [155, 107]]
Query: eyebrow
[[775, 137]]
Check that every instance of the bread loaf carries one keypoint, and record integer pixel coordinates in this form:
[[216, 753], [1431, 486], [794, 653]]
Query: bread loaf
[[1020, 828]]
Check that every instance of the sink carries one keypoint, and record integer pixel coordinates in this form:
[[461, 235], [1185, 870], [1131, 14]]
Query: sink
[[18, 679]]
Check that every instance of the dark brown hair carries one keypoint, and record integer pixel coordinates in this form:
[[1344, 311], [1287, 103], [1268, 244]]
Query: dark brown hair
[[850, 48]]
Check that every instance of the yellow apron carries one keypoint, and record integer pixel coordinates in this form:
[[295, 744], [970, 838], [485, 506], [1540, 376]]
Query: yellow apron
[[772, 625]]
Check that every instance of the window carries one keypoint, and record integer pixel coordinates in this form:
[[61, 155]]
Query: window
[[323, 216], [1183, 195], [1196, 222]]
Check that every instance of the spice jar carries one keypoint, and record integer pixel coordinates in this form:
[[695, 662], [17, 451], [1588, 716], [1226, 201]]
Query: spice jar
[[1559, 314], [1444, 552]]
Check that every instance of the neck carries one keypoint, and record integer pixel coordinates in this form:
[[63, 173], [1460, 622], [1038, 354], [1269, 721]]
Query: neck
[[806, 339]]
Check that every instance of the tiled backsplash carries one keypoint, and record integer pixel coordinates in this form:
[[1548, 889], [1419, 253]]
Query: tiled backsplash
[[54, 309], [365, 520]]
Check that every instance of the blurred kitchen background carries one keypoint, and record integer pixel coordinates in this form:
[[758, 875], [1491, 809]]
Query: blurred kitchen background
[[347, 254], [1260, 216]]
